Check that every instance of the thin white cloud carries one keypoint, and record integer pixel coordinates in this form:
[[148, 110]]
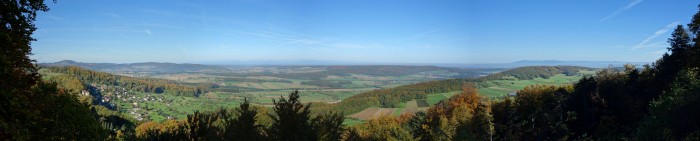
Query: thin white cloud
[[174, 14], [148, 31], [163, 25], [112, 15], [125, 36], [56, 18], [78, 41], [284, 38], [620, 10], [658, 52], [651, 45], [422, 35], [156, 25], [145, 31], [645, 43], [325, 43]]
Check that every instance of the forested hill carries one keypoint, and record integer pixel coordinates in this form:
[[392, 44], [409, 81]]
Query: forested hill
[[140, 67], [389, 98], [525, 63], [539, 71], [531, 72], [147, 85]]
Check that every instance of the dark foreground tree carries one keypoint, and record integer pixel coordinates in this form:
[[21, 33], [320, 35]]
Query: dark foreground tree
[[244, 125], [201, 126], [291, 121], [676, 114], [29, 108], [328, 126]]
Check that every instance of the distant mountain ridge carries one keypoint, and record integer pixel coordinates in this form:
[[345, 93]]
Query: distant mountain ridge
[[139, 67], [523, 63], [516, 64], [187, 67]]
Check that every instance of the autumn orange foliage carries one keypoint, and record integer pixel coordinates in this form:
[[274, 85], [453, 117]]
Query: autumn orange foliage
[[469, 99]]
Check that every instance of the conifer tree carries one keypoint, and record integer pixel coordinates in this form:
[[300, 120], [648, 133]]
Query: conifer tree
[[328, 126], [291, 120], [244, 125]]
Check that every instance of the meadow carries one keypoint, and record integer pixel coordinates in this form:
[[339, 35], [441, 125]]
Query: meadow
[[500, 88]]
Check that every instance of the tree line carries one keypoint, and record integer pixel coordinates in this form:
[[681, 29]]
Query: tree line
[[147, 85]]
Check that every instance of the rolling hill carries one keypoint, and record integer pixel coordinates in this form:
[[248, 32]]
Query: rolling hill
[[494, 85], [525, 63], [152, 67]]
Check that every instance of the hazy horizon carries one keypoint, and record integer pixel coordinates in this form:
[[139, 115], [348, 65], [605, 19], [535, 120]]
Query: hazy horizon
[[515, 64], [381, 32]]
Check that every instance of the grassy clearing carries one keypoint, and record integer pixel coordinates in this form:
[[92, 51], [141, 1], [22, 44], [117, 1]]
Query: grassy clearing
[[411, 107], [435, 98], [404, 107], [370, 113], [493, 92], [411, 104], [47, 74], [503, 87], [398, 112], [351, 122]]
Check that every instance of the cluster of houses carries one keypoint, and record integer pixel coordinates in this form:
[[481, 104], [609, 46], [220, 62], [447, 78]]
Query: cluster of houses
[[110, 96], [139, 112]]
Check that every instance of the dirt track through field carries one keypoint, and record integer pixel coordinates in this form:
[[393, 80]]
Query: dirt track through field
[[370, 113]]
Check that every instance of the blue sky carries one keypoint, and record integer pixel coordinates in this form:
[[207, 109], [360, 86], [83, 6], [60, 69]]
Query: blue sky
[[364, 31]]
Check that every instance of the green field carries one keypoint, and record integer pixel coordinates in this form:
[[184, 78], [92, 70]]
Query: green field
[[500, 88], [48, 75], [435, 98], [398, 112]]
